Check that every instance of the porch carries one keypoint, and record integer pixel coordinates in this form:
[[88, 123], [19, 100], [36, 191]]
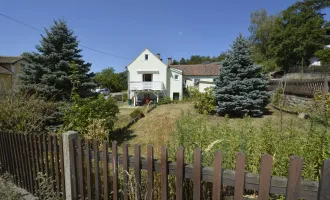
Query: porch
[[145, 92]]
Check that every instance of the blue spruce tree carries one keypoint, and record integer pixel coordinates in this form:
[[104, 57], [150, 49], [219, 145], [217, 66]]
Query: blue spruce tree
[[241, 87], [50, 73]]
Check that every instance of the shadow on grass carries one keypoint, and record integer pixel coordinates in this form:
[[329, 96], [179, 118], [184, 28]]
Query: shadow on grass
[[122, 136]]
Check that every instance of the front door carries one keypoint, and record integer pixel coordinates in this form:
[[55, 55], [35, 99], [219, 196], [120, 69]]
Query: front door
[[147, 77]]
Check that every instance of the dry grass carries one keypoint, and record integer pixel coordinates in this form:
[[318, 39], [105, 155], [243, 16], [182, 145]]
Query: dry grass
[[123, 117], [157, 126]]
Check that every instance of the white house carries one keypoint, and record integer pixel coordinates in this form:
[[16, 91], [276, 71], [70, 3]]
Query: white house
[[150, 78]]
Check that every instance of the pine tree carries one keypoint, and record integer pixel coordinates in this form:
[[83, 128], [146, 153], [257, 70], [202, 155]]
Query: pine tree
[[50, 73], [241, 87]]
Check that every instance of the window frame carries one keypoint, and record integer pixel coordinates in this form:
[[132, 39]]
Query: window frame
[[146, 57], [176, 75], [143, 77]]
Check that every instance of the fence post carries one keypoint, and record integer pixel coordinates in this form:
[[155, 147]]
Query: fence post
[[325, 87], [67, 137]]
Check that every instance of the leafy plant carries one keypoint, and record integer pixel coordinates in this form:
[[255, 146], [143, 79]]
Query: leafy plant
[[78, 115], [165, 100], [136, 113], [46, 187], [8, 190], [24, 113], [204, 102]]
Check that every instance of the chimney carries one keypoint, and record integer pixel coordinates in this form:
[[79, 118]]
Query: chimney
[[169, 61], [158, 55]]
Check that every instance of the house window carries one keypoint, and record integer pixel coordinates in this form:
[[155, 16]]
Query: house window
[[13, 68], [176, 96], [196, 81], [146, 56], [147, 77], [176, 77]]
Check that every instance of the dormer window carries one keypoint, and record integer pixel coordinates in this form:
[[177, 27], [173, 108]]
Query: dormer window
[[146, 56]]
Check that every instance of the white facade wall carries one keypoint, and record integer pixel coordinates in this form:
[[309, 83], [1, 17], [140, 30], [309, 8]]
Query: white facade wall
[[175, 86], [202, 86], [142, 66]]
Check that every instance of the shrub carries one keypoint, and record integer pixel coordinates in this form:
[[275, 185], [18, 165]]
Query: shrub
[[21, 113], [203, 101], [97, 129], [78, 115], [136, 113], [125, 97], [165, 100]]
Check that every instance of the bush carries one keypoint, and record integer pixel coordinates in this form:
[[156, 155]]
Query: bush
[[78, 115], [8, 190], [24, 113], [203, 101], [165, 100], [125, 97], [311, 142], [136, 113]]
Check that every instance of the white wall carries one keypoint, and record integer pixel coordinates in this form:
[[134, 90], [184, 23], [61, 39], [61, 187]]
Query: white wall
[[153, 63], [314, 61], [174, 85], [202, 86]]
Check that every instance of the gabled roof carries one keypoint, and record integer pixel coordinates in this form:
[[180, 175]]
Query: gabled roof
[[199, 69], [5, 71], [142, 53], [11, 59]]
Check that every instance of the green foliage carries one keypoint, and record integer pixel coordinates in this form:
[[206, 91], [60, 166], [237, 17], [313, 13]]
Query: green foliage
[[197, 59], [24, 113], [312, 144], [277, 96], [165, 100], [204, 102], [125, 97], [324, 56], [320, 111], [109, 79], [136, 113], [241, 87], [50, 73], [78, 115], [298, 34], [46, 187], [8, 190]]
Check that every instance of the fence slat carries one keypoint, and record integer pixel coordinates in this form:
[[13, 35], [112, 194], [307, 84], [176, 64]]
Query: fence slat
[[126, 170], [197, 173], [42, 169], [20, 163], [51, 160], [179, 173], [88, 168], [46, 155], [217, 170], [9, 166], [97, 170], [150, 162], [105, 163], [137, 166], [324, 185], [1, 154], [57, 164], [80, 167], [115, 169], [37, 158], [239, 176], [295, 170], [73, 164], [164, 173], [13, 150], [24, 166], [28, 156], [265, 176], [33, 163], [62, 167]]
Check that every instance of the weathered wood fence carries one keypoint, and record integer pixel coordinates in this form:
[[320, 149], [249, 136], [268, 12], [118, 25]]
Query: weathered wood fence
[[305, 87], [95, 168]]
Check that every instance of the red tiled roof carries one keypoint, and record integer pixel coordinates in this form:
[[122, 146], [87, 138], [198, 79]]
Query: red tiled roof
[[199, 70]]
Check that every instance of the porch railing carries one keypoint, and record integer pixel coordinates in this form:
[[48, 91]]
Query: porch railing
[[140, 85]]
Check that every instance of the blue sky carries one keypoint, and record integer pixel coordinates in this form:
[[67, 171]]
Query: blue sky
[[125, 28]]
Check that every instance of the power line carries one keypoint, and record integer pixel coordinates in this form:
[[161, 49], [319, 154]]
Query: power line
[[83, 46]]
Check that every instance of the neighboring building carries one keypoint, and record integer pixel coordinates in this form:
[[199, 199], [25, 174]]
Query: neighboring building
[[150, 78], [10, 67]]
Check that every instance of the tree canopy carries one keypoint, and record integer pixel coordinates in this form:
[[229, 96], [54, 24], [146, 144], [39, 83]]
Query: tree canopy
[[197, 59], [50, 73], [115, 82]]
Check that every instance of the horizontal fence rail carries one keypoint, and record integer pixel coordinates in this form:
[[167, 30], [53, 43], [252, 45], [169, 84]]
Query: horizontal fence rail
[[99, 171]]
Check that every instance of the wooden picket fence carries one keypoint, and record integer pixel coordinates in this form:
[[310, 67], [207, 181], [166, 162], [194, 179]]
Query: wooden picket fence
[[305, 87], [95, 171]]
